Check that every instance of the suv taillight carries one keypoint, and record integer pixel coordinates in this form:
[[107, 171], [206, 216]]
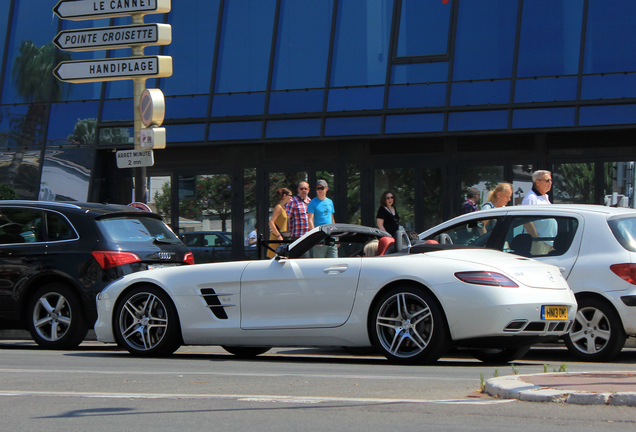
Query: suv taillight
[[188, 258], [625, 271], [110, 259]]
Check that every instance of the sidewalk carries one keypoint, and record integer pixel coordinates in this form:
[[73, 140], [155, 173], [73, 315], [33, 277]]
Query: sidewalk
[[584, 388]]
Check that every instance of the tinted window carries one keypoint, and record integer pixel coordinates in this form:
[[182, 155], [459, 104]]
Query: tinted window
[[20, 226], [424, 28], [540, 236], [624, 230], [472, 233], [127, 229], [59, 228]]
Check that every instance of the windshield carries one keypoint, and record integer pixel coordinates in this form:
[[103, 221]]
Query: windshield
[[136, 229]]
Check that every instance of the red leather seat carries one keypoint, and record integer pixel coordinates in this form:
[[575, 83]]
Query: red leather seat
[[384, 244]]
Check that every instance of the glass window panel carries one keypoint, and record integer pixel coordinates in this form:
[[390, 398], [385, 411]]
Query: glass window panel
[[610, 36], [431, 201], [66, 174], [417, 95], [401, 182], [419, 73], [236, 104], [483, 178], [116, 136], [414, 123], [118, 109], [185, 133], [159, 196], [485, 39], [544, 117], [353, 126], [245, 45], [302, 44], [573, 183], [250, 216], [545, 89], [424, 28], [355, 98], [618, 183], [521, 182], [296, 101], [73, 121], [20, 169], [478, 120], [480, 93], [361, 47], [193, 31], [180, 107], [21, 125], [235, 130], [608, 86], [550, 37], [353, 195], [4, 21], [293, 128], [33, 29], [607, 115]]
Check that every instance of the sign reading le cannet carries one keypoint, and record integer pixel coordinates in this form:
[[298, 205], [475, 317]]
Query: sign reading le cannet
[[77, 10]]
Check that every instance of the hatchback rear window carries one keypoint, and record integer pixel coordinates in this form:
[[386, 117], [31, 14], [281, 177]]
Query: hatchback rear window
[[624, 229], [139, 229]]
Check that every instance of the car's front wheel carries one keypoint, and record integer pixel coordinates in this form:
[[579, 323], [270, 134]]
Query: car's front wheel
[[146, 322], [597, 333], [408, 326], [55, 317]]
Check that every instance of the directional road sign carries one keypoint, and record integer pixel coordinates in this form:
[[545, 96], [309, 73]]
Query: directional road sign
[[135, 158], [94, 9], [114, 69], [113, 37]]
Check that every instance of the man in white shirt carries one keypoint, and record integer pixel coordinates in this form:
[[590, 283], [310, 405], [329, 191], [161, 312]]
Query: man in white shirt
[[541, 185]]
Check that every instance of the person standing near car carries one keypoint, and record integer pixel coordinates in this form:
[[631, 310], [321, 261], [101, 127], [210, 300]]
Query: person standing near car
[[387, 217], [470, 205], [541, 185], [298, 222], [321, 212], [278, 221], [499, 196]]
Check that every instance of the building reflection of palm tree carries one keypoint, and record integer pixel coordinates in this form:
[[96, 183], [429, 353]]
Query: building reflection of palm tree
[[33, 78]]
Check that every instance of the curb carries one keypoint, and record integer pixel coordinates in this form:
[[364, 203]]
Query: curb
[[513, 387]]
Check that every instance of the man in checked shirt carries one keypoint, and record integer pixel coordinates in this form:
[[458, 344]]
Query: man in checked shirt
[[298, 224]]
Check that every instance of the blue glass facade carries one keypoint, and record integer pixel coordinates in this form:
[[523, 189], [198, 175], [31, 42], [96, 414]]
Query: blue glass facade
[[330, 84]]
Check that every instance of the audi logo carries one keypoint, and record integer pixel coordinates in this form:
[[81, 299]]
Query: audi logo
[[165, 255]]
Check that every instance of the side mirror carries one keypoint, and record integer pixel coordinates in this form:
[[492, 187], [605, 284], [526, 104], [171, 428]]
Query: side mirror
[[282, 251]]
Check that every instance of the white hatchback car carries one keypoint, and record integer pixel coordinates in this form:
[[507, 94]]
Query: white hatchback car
[[593, 246]]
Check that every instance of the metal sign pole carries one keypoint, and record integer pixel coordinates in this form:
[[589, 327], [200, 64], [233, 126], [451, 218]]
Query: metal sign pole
[[139, 87]]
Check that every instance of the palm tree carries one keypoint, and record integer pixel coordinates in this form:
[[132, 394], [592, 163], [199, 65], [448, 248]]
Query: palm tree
[[32, 76]]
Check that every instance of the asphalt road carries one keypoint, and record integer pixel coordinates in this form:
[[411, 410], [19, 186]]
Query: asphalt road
[[99, 387]]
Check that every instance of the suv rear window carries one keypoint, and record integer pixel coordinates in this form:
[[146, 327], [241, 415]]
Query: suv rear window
[[136, 229], [624, 229]]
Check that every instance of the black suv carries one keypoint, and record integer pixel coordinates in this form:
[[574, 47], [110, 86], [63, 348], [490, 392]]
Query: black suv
[[55, 257]]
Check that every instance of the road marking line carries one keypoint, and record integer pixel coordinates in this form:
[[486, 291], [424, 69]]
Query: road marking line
[[250, 398]]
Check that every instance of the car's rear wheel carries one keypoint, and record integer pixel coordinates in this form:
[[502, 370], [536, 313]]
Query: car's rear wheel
[[146, 322], [500, 355], [597, 333], [408, 326], [246, 352], [55, 317]]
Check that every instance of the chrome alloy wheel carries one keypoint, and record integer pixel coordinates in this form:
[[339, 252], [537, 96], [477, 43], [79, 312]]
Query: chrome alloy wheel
[[592, 330], [404, 325], [143, 321], [52, 316]]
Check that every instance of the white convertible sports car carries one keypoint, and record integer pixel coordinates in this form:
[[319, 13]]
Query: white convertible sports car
[[410, 302]]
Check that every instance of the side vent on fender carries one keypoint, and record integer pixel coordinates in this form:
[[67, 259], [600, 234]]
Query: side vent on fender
[[214, 304]]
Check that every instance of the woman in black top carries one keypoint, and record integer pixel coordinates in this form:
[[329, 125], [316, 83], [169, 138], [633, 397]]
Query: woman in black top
[[388, 218]]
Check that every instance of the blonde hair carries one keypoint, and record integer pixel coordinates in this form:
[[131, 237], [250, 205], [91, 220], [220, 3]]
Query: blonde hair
[[371, 248], [498, 190]]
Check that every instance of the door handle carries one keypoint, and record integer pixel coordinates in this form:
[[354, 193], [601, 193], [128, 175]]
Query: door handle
[[336, 269]]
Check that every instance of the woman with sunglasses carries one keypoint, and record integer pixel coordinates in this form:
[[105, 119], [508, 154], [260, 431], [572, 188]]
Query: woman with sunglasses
[[388, 218]]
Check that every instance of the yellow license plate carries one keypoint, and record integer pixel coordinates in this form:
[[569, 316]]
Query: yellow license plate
[[554, 313]]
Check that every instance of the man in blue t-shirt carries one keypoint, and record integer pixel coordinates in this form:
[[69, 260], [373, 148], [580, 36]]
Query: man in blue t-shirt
[[320, 211]]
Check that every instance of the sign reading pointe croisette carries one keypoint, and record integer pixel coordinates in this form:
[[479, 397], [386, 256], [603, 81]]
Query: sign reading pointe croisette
[[113, 37], [114, 69], [77, 10]]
